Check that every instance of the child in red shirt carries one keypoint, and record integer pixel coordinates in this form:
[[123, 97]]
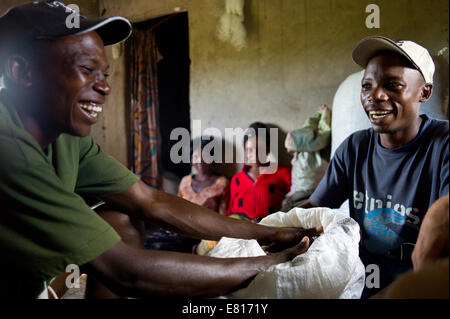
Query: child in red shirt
[[254, 194]]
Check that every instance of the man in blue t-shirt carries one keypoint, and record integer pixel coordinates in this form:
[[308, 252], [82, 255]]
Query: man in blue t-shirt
[[393, 172]]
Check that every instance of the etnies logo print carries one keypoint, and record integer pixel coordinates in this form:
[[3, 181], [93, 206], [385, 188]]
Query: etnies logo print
[[386, 227]]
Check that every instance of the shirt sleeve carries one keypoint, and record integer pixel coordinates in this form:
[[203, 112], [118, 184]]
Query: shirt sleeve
[[45, 227], [332, 189], [100, 174]]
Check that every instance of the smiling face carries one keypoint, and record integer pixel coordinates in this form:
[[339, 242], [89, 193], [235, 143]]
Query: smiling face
[[391, 93], [251, 148], [202, 162], [70, 83]]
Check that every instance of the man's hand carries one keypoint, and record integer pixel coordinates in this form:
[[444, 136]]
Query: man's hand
[[288, 236], [432, 242], [287, 254], [134, 272], [307, 204]]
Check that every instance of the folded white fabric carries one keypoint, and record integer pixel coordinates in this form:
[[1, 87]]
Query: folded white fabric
[[331, 268]]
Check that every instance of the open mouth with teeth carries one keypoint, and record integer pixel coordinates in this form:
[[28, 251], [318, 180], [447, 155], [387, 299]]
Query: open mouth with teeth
[[90, 108], [379, 114]]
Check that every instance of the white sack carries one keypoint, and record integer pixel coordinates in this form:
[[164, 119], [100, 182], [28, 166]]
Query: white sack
[[331, 268]]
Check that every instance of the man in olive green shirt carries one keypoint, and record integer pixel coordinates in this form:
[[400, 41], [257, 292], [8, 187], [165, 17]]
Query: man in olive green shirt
[[55, 78]]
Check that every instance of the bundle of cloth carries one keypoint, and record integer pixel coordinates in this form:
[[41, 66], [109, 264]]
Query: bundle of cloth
[[331, 268], [310, 159]]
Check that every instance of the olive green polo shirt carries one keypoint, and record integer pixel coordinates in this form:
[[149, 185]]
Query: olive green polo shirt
[[45, 224]]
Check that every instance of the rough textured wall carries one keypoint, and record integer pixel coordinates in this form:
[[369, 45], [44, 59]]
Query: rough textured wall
[[141, 10]]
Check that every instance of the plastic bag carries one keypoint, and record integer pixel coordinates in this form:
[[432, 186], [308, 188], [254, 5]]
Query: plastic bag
[[331, 268], [308, 165], [313, 136], [307, 170]]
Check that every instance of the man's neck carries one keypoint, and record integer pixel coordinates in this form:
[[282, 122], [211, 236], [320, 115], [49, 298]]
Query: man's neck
[[34, 124], [401, 138], [42, 136]]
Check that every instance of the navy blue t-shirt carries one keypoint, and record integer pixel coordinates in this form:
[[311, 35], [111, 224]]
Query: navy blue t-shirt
[[389, 191]]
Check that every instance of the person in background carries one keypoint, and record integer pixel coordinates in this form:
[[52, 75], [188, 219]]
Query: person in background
[[253, 193], [206, 188]]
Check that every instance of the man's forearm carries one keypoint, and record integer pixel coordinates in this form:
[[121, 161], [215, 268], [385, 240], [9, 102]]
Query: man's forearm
[[433, 239], [174, 213], [162, 273], [195, 275], [179, 215], [189, 219]]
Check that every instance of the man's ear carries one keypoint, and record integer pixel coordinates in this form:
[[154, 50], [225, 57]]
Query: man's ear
[[426, 92], [18, 71]]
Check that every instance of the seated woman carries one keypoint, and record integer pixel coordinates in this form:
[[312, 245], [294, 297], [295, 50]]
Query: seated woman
[[254, 193], [205, 188]]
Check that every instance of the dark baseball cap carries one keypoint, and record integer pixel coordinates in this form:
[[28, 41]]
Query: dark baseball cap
[[40, 20]]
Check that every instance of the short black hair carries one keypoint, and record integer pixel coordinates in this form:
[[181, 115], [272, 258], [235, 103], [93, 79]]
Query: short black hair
[[204, 140], [253, 130]]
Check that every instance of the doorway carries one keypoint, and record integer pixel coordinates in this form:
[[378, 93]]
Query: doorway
[[172, 38]]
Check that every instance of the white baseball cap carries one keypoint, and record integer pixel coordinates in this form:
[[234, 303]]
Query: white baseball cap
[[367, 48]]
